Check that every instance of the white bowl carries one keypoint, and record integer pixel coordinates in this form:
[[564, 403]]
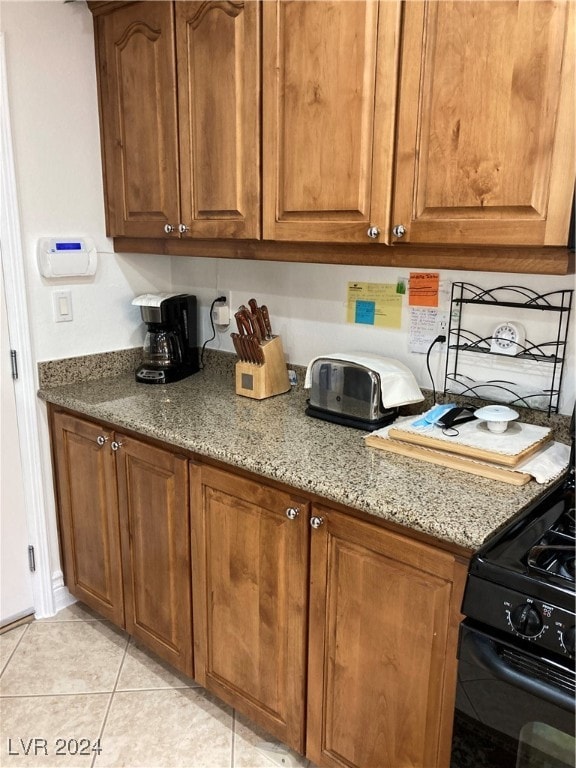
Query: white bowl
[[496, 417]]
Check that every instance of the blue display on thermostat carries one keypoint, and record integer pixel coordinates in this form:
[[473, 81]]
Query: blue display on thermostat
[[68, 246]]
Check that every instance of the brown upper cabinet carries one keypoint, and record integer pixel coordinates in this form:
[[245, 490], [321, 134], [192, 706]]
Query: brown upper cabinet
[[383, 122], [329, 91], [485, 136], [179, 91]]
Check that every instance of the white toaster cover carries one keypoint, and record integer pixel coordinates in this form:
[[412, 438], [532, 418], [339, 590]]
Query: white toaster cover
[[397, 383]]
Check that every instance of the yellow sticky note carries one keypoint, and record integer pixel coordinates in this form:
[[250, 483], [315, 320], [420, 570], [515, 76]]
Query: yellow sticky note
[[374, 304]]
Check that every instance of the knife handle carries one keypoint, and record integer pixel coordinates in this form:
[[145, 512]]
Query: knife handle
[[250, 323], [266, 320], [243, 322], [237, 346], [258, 322], [256, 354], [259, 352]]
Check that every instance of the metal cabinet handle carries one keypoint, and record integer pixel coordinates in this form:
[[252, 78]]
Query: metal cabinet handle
[[399, 230], [169, 228], [115, 445], [373, 232], [101, 440], [316, 522], [182, 228], [292, 513]]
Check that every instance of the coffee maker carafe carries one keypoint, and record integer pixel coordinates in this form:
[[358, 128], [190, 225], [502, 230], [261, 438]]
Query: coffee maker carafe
[[170, 350]]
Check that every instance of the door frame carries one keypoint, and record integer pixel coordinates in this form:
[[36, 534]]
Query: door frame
[[12, 265]]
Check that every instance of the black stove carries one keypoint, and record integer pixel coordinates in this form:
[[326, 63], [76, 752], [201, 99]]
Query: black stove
[[521, 582], [515, 699]]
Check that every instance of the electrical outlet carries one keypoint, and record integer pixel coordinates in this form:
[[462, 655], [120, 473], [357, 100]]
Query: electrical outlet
[[221, 312], [226, 294], [442, 323]]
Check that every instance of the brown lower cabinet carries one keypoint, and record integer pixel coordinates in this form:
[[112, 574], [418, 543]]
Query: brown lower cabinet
[[336, 635], [250, 589], [282, 586], [124, 530]]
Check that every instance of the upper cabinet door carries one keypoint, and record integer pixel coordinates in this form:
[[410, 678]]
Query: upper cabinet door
[[485, 147], [137, 78], [218, 48], [329, 82]]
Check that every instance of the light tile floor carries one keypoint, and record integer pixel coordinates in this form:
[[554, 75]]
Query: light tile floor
[[75, 683]]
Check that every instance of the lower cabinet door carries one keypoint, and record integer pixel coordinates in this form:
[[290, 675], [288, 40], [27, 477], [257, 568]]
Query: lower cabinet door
[[85, 477], [153, 498], [250, 577], [382, 648]]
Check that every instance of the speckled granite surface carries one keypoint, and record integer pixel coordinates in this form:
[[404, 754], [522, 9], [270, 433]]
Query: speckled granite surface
[[274, 438], [54, 373]]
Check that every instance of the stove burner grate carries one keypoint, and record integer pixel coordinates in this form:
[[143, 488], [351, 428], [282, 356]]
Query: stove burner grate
[[553, 561]]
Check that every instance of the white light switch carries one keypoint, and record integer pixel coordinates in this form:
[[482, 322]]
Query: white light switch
[[62, 304]]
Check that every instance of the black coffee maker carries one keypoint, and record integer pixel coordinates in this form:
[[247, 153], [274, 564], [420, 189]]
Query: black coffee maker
[[171, 345]]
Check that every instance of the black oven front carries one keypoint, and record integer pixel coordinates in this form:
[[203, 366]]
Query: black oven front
[[516, 681], [514, 708]]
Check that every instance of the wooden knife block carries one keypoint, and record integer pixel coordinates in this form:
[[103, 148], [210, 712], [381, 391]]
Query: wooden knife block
[[268, 379]]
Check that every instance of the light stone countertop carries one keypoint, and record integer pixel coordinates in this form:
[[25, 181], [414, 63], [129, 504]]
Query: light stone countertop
[[275, 439]]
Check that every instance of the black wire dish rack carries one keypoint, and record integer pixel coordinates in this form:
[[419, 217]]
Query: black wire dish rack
[[548, 356]]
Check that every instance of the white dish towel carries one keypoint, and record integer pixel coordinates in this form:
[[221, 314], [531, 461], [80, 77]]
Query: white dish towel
[[397, 383]]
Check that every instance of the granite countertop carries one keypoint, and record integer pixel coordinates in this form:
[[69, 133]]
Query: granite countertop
[[275, 439]]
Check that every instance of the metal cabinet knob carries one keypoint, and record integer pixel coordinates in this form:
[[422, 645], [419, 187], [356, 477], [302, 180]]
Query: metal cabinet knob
[[373, 232], [182, 228], [115, 445], [169, 228], [292, 513], [101, 440], [316, 522], [399, 230]]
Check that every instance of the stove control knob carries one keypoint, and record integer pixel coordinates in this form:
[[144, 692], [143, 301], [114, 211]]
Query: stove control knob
[[526, 620], [569, 640]]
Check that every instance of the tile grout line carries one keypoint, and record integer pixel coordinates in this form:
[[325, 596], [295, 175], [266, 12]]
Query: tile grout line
[[107, 712], [233, 754], [9, 659]]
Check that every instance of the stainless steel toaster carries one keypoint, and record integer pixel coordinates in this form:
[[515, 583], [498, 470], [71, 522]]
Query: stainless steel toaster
[[347, 393]]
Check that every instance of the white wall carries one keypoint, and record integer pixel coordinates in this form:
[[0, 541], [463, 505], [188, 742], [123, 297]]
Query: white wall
[[51, 77], [54, 112], [52, 90], [307, 303], [53, 106]]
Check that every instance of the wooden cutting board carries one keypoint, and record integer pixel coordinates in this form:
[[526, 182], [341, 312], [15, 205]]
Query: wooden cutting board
[[472, 452], [444, 459]]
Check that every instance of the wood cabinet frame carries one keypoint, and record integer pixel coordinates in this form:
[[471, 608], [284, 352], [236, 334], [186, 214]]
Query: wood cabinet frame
[[308, 582], [457, 247], [124, 531]]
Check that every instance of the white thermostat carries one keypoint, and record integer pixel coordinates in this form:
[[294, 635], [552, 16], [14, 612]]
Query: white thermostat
[[508, 339], [66, 257]]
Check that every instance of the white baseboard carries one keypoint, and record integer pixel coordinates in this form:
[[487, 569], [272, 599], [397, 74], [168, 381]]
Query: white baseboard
[[62, 598]]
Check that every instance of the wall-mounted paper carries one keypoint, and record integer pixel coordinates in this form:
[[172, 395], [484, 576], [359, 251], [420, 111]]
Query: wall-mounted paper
[[423, 290], [374, 304], [422, 330]]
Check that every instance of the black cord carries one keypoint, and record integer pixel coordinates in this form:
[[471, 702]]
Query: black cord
[[220, 298], [440, 339]]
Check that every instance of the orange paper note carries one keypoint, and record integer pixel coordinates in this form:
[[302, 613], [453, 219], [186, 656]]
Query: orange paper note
[[423, 290]]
